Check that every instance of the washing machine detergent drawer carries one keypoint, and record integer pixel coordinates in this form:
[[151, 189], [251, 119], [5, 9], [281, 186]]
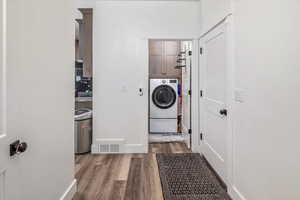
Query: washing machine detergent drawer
[[163, 125]]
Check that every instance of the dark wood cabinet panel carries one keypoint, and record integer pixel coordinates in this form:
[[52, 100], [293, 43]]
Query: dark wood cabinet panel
[[156, 65], [170, 66], [156, 48], [87, 41], [162, 59]]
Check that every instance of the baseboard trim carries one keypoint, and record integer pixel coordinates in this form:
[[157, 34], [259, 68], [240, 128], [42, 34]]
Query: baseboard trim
[[221, 181], [235, 193], [136, 148], [124, 148], [70, 192], [108, 146]]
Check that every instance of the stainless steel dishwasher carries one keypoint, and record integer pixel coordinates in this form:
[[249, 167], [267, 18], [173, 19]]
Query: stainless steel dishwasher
[[83, 130]]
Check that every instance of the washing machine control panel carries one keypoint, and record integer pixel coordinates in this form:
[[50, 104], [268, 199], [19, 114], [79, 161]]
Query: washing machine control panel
[[169, 81]]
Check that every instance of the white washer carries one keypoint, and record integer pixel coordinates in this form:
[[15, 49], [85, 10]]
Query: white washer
[[163, 105]]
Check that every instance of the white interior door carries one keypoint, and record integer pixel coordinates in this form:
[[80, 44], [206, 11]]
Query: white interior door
[[9, 185], [186, 96], [37, 99], [213, 108]]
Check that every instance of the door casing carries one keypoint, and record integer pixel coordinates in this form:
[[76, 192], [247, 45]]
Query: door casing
[[195, 90], [4, 137]]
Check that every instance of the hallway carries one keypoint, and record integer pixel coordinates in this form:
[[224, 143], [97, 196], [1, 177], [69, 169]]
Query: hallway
[[122, 176]]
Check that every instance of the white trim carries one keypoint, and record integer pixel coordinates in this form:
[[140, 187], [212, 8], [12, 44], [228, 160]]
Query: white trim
[[232, 187], [146, 136], [235, 194], [70, 191], [230, 103], [215, 26], [136, 148], [2, 184], [3, 95], [194, 87], [195, 125], [124, 148], [110, 140]]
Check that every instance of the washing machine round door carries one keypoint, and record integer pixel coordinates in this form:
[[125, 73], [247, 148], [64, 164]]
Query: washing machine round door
[[164, 96]]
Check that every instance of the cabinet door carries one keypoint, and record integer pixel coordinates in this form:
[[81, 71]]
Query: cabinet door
[[172, 49], [162, 59], [87, 50], [156, 58]]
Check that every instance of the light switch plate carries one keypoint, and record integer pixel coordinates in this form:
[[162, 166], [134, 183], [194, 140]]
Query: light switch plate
[[239, 95]]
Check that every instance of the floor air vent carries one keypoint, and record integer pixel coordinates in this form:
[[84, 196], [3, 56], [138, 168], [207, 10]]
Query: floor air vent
[[108, 146], [115, 148], [104, 148]]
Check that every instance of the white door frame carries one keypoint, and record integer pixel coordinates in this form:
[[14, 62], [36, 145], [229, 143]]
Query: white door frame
[[4, 162], [195, 97], [4, 137], [194, 87], [228, 21]]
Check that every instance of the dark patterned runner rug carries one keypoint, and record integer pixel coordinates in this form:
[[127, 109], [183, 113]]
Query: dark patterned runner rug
[[187, 177]]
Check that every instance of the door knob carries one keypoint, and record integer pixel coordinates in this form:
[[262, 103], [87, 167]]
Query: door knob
[[17, 147], [223, 112], [22, 147]]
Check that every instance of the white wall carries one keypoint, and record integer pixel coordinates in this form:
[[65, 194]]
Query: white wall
[[213, 11], [121, 30], [40, 97], [266, 125]]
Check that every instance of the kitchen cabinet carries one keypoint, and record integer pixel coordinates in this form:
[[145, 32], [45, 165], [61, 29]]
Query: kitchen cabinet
[[79, 42], [86, 41], [163, 59]]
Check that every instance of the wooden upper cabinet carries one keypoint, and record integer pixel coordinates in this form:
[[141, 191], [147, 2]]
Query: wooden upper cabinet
[[162, 59], [172, 49], [87, 41], [79, 47], [156, 58]]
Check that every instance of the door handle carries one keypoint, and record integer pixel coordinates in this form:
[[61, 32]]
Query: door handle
[[223, 112], [17, 147]]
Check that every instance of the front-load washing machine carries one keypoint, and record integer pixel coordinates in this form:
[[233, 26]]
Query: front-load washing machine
[[163, 105]]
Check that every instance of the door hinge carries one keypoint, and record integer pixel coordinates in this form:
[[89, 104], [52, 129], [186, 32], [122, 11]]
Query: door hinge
[[190, 131], [201, 136], [201, 93], [201, 50], [190, 53], [190, 92]]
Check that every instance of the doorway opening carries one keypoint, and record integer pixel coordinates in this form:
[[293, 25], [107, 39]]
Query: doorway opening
[[83, 81], [170, 64]]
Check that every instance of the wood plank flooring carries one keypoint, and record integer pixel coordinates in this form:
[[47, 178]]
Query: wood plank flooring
[[122, 176]]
